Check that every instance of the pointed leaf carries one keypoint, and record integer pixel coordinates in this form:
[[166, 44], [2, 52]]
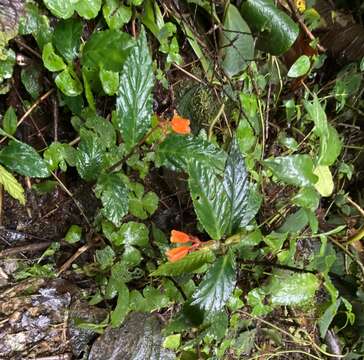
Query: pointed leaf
[[114, 197], [217, 285], [236, 43], [325, 184], [176, 151], [188, 264], [122, 305], [294, 170], [134, 102], [300, 67], [10, 121], [24, 160], [236, 186], [11, 185], [209, 199]]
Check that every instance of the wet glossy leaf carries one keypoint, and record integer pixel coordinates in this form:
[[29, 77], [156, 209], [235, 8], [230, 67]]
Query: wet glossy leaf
[[10, 121], [300, 67], [277, 31], [134, 102], [188, 264], [90, 155], [24, 160], [115, 44], [68, 82], [66, 38], [288, 288], [236, 185], [327, 317], [330, 147], [61, 8], [294, 170], [88, 9], [176, 151], [113, 193], [325, 183], [73, 234], [51, 60], [236, 43], [102, 127], [11, 185], [109, 81], [217, 285], [122, 305], [31, 77], [105, 257], [116, 14], [58, 155], [209, 199]]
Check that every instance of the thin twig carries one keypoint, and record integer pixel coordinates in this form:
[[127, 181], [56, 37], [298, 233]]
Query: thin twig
[[31, 109], [25, 249], [189, 74], [215, 120], [55, 117]]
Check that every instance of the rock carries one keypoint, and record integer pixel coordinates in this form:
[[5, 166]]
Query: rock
[[138, 338]]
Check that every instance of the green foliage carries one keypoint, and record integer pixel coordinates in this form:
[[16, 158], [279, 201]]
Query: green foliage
[[277, 30], [300, 67], [73, 234], [217, 285], [134, 101], [11, 185], [10, 121]]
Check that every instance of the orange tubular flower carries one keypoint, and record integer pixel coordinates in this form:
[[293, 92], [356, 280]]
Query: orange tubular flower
[[177, 253], [179, 237], [180, 125]]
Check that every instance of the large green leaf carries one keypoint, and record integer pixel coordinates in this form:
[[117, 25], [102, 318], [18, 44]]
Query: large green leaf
[[236, 185], [88, 9], [276, 30], [294, 169], [209, 198], [189, 263], [61, 8], [114, 197], [11, 185], [24, 160], [176, 151], [134, 102], [68, 82], [90, 155], [217, 285], [107, 49], [51, 60], [122, 305], [288, 288], [66, 38], [236, 43]]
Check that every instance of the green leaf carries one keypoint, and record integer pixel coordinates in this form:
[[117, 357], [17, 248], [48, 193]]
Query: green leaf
[[300, 67], [7, 64], [115, 44], [90, 155], [88, 9], [209, 199], [236, 43], [330, 147], [31, 77], [74, 234], [101, 126], [307, 198], [116, 14], [134, 102], [113, 193], [68, 82], [217, 285], [294, 169], [10, 122], [105, 257], [122, 305], [144, 205], [109, 81], [66, 38], [11, 185], [57, 154], [327, 317], [325, 184], [277, 31], [176, 151], [61, 8], [51, 60], [289, 288], [24, 160], [188, 264], [236, 185], [172, 342]]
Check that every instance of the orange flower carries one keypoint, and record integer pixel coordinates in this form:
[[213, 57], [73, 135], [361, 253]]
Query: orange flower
[[179, 237], [177, 253], [180, 125]]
